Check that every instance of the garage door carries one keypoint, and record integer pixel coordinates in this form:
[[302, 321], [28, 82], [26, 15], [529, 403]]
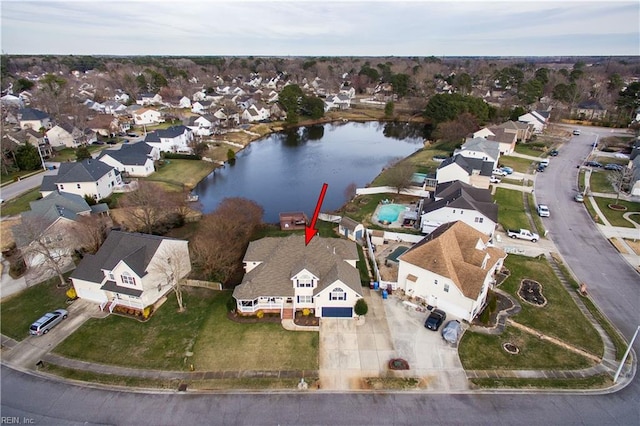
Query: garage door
[[337, 312]]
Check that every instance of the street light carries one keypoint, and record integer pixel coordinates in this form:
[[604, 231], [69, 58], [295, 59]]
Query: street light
[[626, 354]]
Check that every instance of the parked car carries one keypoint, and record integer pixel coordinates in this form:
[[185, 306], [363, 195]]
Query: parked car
[[132, 135], [47, 322], [613, 166], [543, 210], [554, 153], [499, 172], [435, 319], [451, 331], [494, 179], [540, 168], [506, 169], [579, 197], [576, 132], [593, 164]]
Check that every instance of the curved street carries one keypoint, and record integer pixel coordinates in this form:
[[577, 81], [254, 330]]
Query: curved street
[[611, 281]]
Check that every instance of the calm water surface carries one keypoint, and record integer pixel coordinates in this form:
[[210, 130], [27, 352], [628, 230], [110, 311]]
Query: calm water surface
[[285, 171]]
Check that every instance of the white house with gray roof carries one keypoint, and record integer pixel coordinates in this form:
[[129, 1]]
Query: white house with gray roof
[[457, 200], [172, 139], [132, 270], [283, 275], [31, 118], [481, 148], [87, 177], [473, 171], [135, 159]]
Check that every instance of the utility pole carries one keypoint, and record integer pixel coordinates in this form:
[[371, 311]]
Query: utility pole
[[626, 354]]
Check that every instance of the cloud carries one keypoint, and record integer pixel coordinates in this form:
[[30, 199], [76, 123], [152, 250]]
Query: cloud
[[421, 28]]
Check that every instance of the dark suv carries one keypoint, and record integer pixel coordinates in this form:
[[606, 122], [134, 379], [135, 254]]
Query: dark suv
[[435, 319]]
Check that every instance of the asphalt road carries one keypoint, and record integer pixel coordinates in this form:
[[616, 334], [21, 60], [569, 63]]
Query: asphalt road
[[11, 191], [610, 279]]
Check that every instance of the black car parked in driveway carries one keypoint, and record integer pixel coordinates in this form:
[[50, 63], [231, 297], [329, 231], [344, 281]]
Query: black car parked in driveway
[[593, 164], [435, 319]]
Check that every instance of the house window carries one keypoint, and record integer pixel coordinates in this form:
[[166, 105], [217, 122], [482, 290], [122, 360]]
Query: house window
[[435, 282], [111, 276], [338, 294], [446, 288], [127, 279], [61, 186], [479, 219], [305, 283], [78, 185], [305, 299]]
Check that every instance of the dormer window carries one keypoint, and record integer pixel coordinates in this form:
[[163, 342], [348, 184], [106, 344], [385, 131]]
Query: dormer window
[[111, 276], [127, 279], [338, 294]]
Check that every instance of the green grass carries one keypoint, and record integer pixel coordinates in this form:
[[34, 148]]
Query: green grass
[[592, 212], [159, 343], [581, 180], [223, 344], [560, 317], [593, 382], [511, 213], [178, 174], [20, 204], [362, 207], [484, 352], [362, 267], [13, 176], [599, 182], [19, 311], [613, 216], [69, 154], [537, 220], [534, 150], [518, 164], [527, 183]]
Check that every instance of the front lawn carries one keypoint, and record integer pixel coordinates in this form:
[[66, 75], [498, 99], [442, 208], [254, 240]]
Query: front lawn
[[18, 312], [518, 164], [560, 317], [160, 343], [614, 216], [599, 182], [20, 203], [178, 174], [484, 352], [216, 342], [511, 213], [226, 345], [69, 154]]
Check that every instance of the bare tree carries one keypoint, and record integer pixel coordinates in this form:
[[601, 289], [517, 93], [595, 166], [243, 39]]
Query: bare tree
[[223, 237], [350, 191], [91, 231], [620, 179], [41, 240], [172, 269], [400, 175], [146, 206]]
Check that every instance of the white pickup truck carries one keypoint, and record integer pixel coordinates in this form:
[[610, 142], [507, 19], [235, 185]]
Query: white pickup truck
[[523, 234]]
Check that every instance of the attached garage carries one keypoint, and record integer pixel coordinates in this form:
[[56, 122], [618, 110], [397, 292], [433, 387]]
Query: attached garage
[[337, 312]]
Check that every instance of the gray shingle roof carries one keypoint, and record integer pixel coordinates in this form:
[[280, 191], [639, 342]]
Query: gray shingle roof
[[168, 133], [284, 257], [28, 114], [89, 170], [135, 154], [461, 195], [136, 250]]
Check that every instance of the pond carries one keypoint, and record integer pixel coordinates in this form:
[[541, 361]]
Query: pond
[[284, 172]]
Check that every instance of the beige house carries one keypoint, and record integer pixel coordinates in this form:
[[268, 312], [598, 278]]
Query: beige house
[[452, 269], [283, 275]]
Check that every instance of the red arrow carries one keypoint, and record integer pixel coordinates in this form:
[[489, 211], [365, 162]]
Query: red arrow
[[310, 230]]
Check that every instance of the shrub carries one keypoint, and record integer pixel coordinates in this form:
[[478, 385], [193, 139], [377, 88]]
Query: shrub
[[231, 304], [147, 311], [176, 156], [361, 307], [17, 268], [306, 312], [260, 314]]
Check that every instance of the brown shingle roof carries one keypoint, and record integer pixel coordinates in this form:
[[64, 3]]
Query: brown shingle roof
[[457, 251]]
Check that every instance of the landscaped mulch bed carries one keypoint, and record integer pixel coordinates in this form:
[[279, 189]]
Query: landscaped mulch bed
[[306, 320], [503, 303], [253, 319], [531, 291]]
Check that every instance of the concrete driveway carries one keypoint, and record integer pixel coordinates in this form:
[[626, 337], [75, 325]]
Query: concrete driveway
[[25, 354], [430, 357]]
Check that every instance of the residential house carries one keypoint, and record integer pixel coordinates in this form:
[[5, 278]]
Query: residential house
[[121, 96], [457, 200], [634, 184], [65, 135], [34, 119], [589, 110], [134, 159], [452, 269], [506, 141], [340, 101], [351, 229], [114, 108], [105, 125], [147, 116], [350, 91], [522, 130], [89, 177], [10, 100], [537, 119], [480, 148], [485, 132], [184, 102], [54, 217], [145, 99], [473, 171], [172, 139], [203, 125], [131, 270], [94, 106], [200, 107], [255, 113], [283, 275]]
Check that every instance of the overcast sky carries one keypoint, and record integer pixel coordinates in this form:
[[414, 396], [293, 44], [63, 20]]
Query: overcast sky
[[326, 27]]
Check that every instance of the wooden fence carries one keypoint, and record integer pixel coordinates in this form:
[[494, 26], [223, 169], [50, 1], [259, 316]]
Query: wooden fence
[[206, 284]]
